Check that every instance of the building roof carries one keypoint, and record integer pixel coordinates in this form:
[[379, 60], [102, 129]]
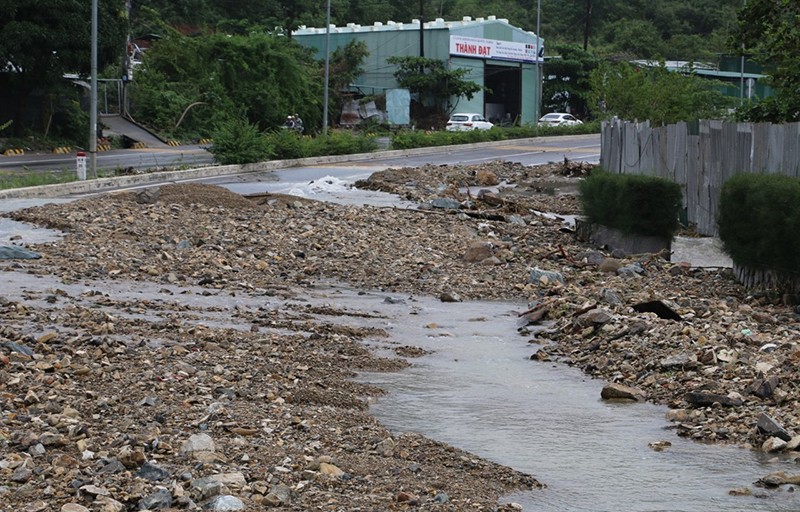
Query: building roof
[[378, 26]]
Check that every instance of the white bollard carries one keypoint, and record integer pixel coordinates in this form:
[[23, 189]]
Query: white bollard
[[80, 164]]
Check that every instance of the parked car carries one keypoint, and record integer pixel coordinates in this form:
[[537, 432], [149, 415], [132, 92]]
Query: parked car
[[559, 119], [467, 122]]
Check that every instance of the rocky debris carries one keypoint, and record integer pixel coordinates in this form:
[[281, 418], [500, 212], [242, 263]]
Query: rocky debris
[[619, 392], [97, 389]]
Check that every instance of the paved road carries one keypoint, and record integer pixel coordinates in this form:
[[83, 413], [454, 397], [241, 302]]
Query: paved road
[[148, 158], [527, 152]]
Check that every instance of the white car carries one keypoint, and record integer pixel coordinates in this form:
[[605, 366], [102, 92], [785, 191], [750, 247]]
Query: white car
[[559, 119], [467, 122]]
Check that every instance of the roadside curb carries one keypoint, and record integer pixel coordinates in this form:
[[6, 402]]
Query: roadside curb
[[13, 152], [109, 184]]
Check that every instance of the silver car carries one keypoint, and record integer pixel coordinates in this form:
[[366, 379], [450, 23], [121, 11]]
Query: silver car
[[559, 119], [467, 122]]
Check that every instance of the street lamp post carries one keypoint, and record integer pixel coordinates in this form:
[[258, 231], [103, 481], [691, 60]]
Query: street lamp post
[[93, 99], [327, 70], [539, 59]]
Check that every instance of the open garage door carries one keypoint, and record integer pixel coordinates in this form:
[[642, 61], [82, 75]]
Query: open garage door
[[503, 103]]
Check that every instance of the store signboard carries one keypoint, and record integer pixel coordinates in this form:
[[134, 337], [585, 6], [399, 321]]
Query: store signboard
[[493, 49]]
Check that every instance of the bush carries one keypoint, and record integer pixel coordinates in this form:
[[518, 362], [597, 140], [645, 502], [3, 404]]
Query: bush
[[759, 221], [287, 145], [633, 204], [408, 139], [237, 141]]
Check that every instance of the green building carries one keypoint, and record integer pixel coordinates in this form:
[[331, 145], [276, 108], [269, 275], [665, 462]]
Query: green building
[[503, 58]]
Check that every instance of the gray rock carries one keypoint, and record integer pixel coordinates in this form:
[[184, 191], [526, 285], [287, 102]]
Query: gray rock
[[279, 495], [150, 471], [12, 252], [225, 503], [591, 257], [616, 391], [444, 203], [449, 297], [545, 277], [112, 467], [478, 251], [160, 499], [764, 388], [441, 497], [516, 219], [207, 487], [707, 399], [679, 361], [594, 317], [148, 195], [16, 347], [773, 444], [770, 427], [631, 270], [198, 443], [21, 475], [612, 297]]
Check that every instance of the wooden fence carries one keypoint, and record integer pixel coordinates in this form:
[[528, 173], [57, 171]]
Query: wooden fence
[[701, 156]]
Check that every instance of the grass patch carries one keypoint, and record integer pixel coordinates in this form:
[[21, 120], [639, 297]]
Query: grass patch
[[35, 179]]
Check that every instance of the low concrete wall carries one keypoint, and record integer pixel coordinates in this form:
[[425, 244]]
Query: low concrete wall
[[617, 241]]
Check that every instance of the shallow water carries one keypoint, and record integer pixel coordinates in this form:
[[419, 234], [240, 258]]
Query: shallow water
[[479, 391]]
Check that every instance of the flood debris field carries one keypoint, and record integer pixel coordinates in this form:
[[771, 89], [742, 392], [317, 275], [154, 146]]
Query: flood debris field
[[111, 402]]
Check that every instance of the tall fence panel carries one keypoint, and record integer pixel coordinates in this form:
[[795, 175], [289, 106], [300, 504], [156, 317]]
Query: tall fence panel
[[700, 157]]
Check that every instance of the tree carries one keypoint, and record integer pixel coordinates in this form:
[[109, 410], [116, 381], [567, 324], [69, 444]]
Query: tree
[[40, 44], [345, 67], [653, 93], [432, 81], [268, 76], [770, 29], [567, 87]]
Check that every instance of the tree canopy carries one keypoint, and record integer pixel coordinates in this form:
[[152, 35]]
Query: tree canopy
[[40, 44], [770, 30]]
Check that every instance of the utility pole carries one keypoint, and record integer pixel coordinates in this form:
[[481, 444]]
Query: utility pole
[[421, 28], [93, 99], [587, 25], [327, 70], [539, 60]]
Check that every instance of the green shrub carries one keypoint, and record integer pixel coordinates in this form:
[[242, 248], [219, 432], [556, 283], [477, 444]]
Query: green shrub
[[237, 141], [288, 145], [408, 139], [633, 204], [343, 143], [759, 221]]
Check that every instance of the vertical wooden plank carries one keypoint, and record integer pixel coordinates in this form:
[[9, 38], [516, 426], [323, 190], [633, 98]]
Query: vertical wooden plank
[[692, 169], [646, 140], [760, 150], [775, 149], [790, 150]]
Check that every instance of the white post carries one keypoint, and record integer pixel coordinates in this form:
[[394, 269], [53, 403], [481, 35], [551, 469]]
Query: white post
[[80, 165]]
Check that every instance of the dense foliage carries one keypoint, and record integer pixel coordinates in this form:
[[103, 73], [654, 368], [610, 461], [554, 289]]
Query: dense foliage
[[212, 76], [770, 29], [653, 93], [759, 221], [633, 204], [433, 81], [237, 141], [41, 43]]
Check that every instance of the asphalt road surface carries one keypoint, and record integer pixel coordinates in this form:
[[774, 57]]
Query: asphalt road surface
[[148, 158]]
